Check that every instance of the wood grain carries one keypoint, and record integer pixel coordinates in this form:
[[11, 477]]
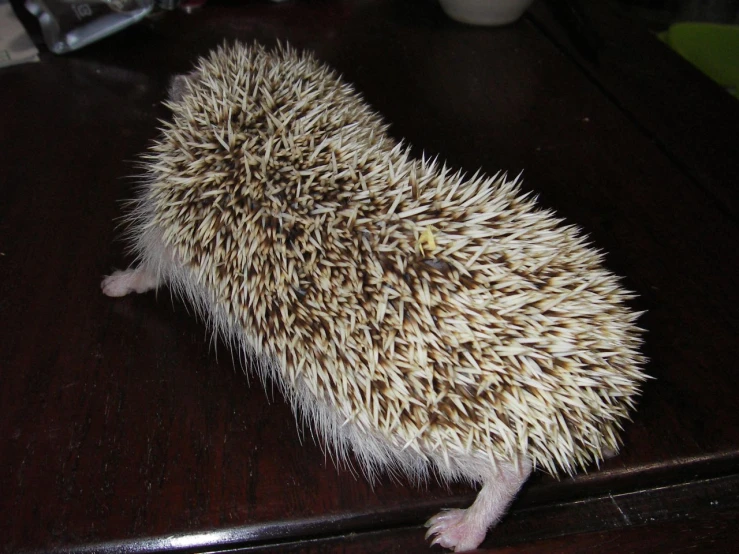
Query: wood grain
[[691, 118]]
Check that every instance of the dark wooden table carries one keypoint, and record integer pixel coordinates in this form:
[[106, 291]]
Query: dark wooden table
[[124, 429]]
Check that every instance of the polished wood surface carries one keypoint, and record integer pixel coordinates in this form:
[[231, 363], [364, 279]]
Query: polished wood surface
[[126, 429]]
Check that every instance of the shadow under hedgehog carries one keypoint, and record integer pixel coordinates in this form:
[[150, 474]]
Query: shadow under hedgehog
[[426, 321]]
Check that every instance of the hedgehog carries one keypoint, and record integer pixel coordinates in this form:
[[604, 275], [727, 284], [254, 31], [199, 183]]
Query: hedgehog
[[422, 321]]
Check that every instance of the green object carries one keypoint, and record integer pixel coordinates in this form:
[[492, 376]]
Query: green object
[[711, 47]]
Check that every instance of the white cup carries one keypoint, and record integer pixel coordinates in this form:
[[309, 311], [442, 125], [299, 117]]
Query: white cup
[[485, 12]]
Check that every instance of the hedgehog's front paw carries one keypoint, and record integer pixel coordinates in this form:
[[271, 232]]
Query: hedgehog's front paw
[[115, 284], [121, 283], [456, 530]]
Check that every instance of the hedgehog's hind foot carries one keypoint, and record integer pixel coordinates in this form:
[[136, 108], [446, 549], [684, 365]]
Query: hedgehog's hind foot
[[121, 283], [463, 530], [455, 529]]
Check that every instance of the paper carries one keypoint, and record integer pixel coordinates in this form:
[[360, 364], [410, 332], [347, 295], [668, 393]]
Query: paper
[[15, 44]]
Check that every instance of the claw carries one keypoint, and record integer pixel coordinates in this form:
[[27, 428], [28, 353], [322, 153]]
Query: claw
[[437, 517]]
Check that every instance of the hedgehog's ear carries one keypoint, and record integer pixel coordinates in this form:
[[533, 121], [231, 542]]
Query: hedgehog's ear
[[180, 85], [177, 88]]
